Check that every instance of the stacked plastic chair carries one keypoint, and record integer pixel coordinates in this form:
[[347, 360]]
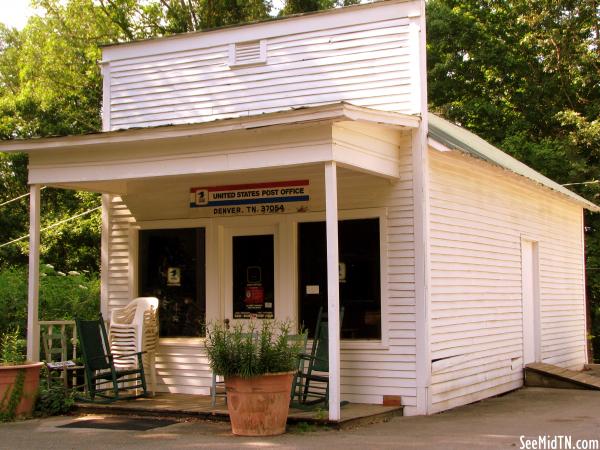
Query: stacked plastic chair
[[134, 328]]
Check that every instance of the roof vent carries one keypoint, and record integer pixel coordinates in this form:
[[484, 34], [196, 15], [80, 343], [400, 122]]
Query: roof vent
[[247, 53]]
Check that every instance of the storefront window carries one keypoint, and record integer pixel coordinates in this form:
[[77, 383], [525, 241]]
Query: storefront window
[[360, 277], [172, 268]]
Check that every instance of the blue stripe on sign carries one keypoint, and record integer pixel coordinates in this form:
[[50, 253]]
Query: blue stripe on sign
[[251, 201]]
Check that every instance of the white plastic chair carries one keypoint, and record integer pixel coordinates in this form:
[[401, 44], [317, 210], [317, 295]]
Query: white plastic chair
[[132, 329]]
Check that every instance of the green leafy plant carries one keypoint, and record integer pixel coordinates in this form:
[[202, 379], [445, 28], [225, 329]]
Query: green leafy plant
[[251, 349], [54, 400], [11, 398], [11, 354], [12, 348], [63, 296]]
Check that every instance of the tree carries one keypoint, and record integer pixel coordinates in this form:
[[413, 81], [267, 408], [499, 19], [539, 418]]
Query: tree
[[525, 75], [50, 85], [303, 6]]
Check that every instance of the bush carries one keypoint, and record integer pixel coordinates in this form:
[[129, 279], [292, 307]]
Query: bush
[[63, 296], [12, 348], [54, 400], [248, 350]]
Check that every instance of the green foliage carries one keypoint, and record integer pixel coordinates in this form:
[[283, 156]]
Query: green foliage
[[12, 348], [12, 397], [248, 349], [62, 296], [302, 6], [524, 75], [12, 352], [54, 400]]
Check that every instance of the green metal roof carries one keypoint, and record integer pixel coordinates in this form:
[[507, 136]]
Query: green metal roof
[[457, 138]]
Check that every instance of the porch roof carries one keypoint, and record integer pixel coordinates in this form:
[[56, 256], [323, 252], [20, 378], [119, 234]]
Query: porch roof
[[335, 112], [294, 137]]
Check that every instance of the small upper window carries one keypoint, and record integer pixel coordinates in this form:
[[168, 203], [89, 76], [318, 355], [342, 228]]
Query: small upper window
[[247, 53]]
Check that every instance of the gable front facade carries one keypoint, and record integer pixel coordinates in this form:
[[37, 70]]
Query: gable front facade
[[289, 163]]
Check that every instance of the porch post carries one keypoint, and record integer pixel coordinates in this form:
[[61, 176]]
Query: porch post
[[333, 288], [33, 331]]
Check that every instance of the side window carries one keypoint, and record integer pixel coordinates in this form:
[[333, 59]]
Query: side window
[[360, 277]]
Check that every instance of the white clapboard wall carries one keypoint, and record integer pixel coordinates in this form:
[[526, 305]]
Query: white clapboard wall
[[364, 55], [368, 373], [479, 214]]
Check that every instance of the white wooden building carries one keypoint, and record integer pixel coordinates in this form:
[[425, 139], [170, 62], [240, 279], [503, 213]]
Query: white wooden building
[[227, 159]]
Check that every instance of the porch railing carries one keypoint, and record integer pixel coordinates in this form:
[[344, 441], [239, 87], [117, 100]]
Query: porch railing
[[59, 345]]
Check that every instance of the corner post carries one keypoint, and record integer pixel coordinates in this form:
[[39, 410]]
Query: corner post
[[33, 293], [333, 289]]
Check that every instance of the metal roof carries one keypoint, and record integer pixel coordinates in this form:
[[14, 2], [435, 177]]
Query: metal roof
[[457, 138]]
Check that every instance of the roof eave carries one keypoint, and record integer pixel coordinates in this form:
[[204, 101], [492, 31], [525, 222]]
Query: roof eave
[[333, 112], [443, 144]]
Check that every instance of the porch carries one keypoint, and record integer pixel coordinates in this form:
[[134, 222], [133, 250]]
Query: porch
[[357, 163], [187, 406]]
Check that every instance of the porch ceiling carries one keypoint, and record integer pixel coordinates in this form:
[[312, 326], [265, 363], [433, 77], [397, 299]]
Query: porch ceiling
[[103, 162]]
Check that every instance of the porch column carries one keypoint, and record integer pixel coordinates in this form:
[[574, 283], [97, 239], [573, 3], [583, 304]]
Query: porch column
[[333, 289], [33, 331]]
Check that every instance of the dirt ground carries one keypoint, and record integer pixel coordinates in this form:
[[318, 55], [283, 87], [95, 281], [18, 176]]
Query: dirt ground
[[508, 421]]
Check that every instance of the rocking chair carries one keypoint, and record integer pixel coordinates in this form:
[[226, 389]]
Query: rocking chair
[[102, 378], [311, 384]]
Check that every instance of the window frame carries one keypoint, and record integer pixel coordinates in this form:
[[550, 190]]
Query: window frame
[[354, 214], [134, 264]]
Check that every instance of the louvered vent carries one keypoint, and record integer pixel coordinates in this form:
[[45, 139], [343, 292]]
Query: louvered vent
[[247, 53]]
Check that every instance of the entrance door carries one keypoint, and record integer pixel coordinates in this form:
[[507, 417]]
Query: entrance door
[[250, 290], [530, 301], [172, 268]]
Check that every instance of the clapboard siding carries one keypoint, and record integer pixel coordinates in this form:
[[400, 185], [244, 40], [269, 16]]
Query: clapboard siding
[[365, 62], [119, 273], [478, 215]]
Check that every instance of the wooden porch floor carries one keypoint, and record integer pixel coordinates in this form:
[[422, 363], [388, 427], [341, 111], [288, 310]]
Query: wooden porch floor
[[198, 406]]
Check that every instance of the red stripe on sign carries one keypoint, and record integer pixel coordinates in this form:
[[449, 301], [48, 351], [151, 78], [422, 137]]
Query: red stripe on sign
[[233, 187]]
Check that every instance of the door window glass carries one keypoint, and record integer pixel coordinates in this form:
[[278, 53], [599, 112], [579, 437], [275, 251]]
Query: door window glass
[[253, 277], [172, 268]]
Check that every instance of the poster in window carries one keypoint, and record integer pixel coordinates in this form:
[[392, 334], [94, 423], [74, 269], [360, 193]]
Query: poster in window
[[253, 277]]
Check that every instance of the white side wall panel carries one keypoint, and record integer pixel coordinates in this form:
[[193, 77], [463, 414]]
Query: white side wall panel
[[479, 214], [364, 61]]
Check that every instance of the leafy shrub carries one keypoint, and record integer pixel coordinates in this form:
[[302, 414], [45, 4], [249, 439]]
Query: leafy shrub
[[63, 296], [12, 348], [249, 350], [54, 400]]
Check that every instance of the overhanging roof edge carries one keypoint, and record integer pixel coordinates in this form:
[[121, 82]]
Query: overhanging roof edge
[[458, 138], [310, 114]]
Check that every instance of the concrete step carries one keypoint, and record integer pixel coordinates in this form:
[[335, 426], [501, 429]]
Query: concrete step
[[548, 375]]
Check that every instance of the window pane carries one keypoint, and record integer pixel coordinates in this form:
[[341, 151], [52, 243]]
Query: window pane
[[253, 277], [360, 286], [172, 268]]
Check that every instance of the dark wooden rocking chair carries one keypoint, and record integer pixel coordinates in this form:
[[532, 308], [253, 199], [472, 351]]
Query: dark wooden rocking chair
[[106, 384], [311, 384]]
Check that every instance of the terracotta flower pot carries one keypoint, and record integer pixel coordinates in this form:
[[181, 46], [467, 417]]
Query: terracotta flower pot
[[8, 377], [258, 406]]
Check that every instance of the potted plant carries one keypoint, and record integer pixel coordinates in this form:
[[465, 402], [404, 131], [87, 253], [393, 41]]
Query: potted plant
[[19, 379], [258, 363]]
